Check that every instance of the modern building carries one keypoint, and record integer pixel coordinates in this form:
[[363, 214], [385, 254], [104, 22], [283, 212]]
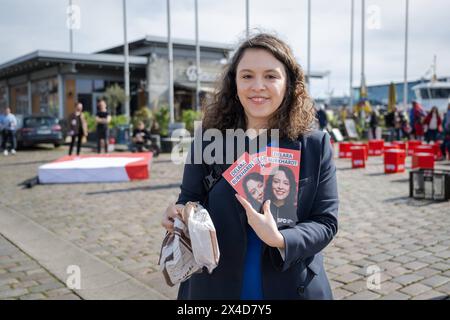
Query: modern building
[[50, 82]]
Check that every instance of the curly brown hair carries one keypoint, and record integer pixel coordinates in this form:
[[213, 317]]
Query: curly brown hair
[[296, 113]]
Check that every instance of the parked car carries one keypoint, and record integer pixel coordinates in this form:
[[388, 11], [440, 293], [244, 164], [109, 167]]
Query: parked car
[[39, 129]]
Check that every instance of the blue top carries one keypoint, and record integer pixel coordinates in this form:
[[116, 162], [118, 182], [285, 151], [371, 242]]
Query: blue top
[[252, 279]]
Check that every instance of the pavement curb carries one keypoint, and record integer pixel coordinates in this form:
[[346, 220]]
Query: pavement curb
[[99, 280]]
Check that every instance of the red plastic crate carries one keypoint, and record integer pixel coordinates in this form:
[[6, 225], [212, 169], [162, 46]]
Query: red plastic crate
[[422, 160], [394, 161], [358, 157]]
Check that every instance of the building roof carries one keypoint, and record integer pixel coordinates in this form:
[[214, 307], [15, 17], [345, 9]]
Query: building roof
[[162, 41], [43, 59]]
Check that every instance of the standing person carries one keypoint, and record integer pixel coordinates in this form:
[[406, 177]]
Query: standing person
[[322, 118], [373, 123], [445, 146], [389, 121], [263, 87], [417, 121], [2, 126], [433, 123], [102, 119], [78, 128], [9, 132]]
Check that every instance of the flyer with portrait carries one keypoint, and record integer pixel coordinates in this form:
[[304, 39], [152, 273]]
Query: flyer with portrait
[[269, 175]]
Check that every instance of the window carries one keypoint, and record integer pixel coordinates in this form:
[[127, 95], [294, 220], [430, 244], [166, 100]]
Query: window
[[45, 97], [440, 93], [39, 122], [424, 94]]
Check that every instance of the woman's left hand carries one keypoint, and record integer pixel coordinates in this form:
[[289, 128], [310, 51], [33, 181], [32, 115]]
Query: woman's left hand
[[263, 224]]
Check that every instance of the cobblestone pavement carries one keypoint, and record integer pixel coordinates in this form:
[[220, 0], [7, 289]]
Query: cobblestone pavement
[[408, 240], [23, 278]]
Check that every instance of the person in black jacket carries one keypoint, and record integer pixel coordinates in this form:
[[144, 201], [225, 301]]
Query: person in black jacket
[[263, 87]]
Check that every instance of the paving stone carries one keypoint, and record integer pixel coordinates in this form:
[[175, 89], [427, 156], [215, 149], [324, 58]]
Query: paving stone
[[395, 296], [365, 295], [33, 296], [435, 281], [415, 265], [348, 277], [415, 289], [12, 293], [407, 279], [430, 295], [339, 294]]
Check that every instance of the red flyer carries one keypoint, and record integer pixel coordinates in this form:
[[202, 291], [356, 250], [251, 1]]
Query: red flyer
[[269, 175]]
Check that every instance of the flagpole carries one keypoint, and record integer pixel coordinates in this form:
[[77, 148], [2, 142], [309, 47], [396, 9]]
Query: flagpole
[[405, 83], [352, 23], [126, 66], [197, 55], [71, 31], [363, 29], [247, 18], [308, 70], [170, 60]]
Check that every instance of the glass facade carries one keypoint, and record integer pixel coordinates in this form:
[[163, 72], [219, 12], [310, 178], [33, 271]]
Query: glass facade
[[44, 95], [19, 99], [89, 91], [3, 97]]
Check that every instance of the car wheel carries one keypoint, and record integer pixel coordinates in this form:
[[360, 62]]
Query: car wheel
[[57, 145]]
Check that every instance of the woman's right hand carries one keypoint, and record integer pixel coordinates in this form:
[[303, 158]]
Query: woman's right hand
[[171, 212]]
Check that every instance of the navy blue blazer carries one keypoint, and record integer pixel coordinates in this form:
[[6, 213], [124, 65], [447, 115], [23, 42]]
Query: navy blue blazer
[[301, 275]]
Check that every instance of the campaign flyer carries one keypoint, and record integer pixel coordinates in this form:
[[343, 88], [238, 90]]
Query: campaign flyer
[[269, 175]]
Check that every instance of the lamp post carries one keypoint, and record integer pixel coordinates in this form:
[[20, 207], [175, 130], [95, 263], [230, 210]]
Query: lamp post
[[170, 60], [126, 65]]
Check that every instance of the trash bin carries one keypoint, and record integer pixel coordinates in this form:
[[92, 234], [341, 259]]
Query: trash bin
[[429, 184]]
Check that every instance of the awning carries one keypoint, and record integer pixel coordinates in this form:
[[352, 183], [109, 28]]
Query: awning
[[192, 86]]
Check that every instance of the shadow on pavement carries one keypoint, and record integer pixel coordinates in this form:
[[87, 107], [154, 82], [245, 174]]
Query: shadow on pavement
[[149, 188]]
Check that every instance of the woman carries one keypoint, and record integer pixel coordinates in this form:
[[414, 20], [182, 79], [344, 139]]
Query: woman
[[253, 185], [417, 120], [102, 119], [263, 87], [433, 124], [280, 190], [78, 128]]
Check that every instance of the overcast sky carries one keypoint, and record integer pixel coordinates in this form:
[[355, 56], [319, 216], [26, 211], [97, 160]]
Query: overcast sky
[[28, 25]]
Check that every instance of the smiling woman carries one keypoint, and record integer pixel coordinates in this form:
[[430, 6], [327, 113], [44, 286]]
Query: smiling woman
[[264, 88], [262, 77]]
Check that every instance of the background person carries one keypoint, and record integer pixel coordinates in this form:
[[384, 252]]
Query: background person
[[102, 119], [78, 128], [9, 132], [433, 124], [140, 138]]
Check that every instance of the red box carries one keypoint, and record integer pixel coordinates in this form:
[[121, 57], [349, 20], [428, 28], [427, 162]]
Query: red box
[[391, 146], [401, 144], [412, 144], [424, 149], [362, 145], [376, 147], [344, 150], [437, 150], [358, 157], [394, 161], [423, 160]]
